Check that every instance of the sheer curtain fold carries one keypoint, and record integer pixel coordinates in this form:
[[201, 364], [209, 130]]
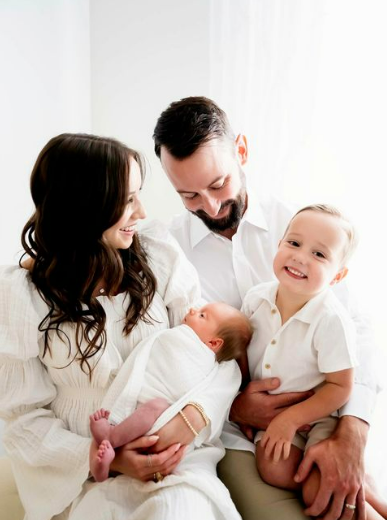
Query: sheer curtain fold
[[305, 81]]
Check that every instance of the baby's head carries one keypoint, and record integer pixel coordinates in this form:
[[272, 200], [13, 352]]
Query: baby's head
[[314, 250], [224, 329]]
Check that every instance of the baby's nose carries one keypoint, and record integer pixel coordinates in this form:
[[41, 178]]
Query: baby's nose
[[192, 311]]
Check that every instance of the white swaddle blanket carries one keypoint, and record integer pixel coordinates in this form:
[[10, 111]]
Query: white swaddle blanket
[[173, 364], [176, 365]]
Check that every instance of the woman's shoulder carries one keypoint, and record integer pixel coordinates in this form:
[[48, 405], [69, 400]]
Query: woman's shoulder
[[173, 272], [21, 307], [14, 278], [161, 247], [155, 236]]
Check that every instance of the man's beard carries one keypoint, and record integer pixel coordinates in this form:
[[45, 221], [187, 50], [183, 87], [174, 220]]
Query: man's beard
[[230, 221]]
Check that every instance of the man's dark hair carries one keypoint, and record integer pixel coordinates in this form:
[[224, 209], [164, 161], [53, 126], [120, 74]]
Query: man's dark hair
[[188, 124]]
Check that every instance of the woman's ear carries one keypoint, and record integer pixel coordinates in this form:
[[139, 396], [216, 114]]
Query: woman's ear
[[215, 344], [339, 276]]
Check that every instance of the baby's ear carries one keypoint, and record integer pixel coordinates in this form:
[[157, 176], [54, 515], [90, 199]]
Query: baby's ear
[[215, 344], [340, 276]]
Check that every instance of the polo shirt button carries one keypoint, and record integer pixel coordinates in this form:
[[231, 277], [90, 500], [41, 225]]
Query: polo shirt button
[[273, 311], [267, 366], [273, 342]]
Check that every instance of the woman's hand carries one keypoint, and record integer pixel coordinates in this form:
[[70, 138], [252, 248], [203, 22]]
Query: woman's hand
[[133, 460]]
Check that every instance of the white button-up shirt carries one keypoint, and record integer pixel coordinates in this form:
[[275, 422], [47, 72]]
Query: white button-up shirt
[[318, 339], [229, 268]]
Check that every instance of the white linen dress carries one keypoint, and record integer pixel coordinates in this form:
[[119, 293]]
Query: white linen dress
[[46, 403]]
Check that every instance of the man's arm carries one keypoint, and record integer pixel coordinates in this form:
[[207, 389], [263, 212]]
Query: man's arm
[[340, 459], [255, 407]]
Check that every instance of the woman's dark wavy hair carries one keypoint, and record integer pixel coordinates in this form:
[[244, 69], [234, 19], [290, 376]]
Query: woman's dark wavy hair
[[79, 185]]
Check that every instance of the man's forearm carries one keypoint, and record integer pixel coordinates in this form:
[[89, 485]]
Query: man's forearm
[[353, 429]]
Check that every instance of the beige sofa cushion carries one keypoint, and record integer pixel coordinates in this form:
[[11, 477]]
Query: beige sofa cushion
[[10, 505]]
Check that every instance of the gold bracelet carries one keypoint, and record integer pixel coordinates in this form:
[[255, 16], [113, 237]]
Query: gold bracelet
[[200, 409], [188, 423]]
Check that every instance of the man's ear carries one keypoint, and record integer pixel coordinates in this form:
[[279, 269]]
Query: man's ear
[[215, 344], [339, 276], [241, 147]]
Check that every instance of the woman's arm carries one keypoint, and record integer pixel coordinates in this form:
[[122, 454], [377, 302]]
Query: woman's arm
[[214, 401], [47, 459]]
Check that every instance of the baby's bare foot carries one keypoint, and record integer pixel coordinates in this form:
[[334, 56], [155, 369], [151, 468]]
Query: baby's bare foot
[[100, 463], [99, 425]]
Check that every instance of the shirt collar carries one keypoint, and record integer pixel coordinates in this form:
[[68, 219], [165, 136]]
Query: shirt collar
[[308, 312], [254, 215], [198, 230]]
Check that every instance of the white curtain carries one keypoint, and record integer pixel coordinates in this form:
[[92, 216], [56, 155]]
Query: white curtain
[[306, 82], [44, 91]]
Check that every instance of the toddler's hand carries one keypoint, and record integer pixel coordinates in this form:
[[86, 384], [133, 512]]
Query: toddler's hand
[[277, 439]]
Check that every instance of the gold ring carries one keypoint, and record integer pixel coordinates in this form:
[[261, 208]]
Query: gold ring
[[149, 461], [157, 477], [350, 506]]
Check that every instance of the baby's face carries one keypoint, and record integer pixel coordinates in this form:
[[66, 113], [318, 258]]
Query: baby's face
[[207, 320], [310, 254]]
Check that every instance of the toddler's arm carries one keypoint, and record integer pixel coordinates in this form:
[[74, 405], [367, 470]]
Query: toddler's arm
[[332, 395]]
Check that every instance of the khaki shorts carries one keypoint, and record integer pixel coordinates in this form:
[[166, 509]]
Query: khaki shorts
[[321, 430]]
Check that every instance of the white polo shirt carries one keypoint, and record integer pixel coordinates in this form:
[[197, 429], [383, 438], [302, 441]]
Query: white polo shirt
[[318, 339], [229, 268]]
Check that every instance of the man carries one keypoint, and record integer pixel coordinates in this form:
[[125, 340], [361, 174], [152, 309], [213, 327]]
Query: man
[[231, 239]]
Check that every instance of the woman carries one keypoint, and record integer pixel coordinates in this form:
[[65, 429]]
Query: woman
[[70, 317]]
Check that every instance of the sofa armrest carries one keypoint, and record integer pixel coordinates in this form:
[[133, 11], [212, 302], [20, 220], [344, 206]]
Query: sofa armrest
[[10, 505]]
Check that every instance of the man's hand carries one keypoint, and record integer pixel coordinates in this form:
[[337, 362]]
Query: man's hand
[[256, 407], [340, 460]]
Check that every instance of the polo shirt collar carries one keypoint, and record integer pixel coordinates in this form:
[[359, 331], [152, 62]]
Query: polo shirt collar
[[254, 215], [308, 312]]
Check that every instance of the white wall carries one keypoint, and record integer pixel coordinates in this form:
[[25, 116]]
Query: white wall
[[44, 91], [143, 56]]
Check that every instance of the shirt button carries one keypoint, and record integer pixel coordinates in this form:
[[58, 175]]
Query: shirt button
[[273, 342], [273, 311], [267, 366]]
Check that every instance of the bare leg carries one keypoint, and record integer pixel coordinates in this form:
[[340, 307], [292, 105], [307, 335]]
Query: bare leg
[[374, 498], [130, 428], [279, 474], [372, 514], [100, 458], [138, 423]]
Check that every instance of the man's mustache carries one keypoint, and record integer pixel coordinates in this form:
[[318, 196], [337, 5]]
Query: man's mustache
[[201, 212]]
